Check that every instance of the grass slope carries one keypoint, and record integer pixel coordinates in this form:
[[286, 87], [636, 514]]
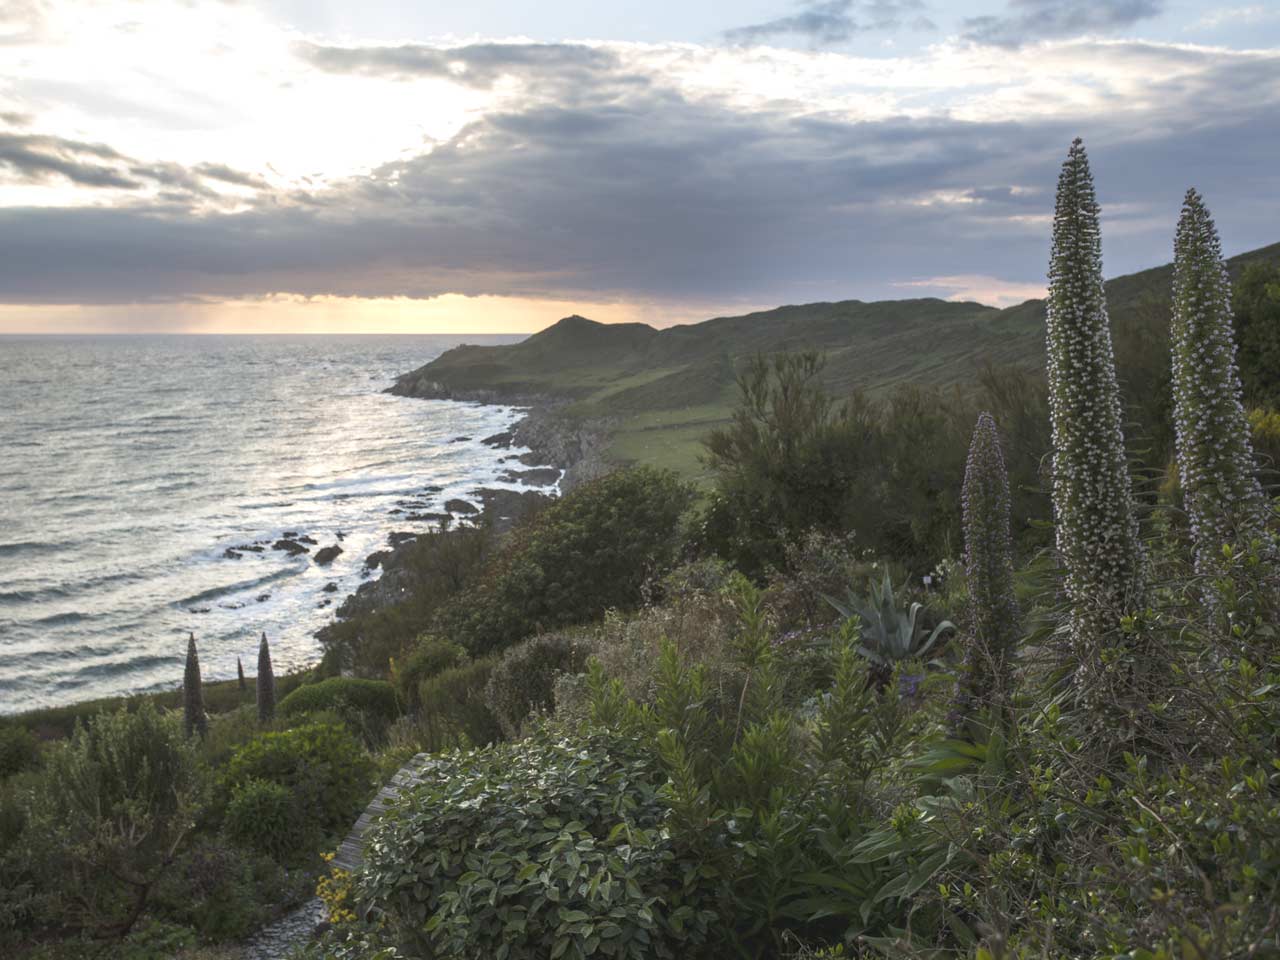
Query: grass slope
[[664, 389]]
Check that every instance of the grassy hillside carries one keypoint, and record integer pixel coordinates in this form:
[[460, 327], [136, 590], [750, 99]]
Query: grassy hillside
[[664, 389]]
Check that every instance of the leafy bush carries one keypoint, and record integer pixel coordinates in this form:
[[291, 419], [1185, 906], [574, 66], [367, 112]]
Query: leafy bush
[[19, 750], [368, 705], [115, 802], [455, 710], [263, 817], [543, 848], [431, 656], [220, 891], [322, 766], [591, 550], [523, 680]]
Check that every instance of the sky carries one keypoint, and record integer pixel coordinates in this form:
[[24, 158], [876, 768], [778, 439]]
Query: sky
[[285, 166]]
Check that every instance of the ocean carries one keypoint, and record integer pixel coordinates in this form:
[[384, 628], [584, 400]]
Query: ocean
[[131, 464]]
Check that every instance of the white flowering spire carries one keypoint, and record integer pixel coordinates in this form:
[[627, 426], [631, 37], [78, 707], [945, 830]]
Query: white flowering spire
[[1097, 530], [1215, 456], [988, 567]]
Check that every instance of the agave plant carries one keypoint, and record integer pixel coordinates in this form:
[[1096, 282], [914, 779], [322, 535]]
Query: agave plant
[[889, 633]]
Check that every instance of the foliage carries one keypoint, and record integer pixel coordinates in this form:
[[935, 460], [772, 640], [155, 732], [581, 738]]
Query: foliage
[[263, 817], [988, 559], [1097, 528], [324, 769], [1256, 305], [523, 680], [544, 848], [431, 656], [455, 710], [114, 804], [889, 633], [218, 890], [266, 683], [369, 705], [1215, 457], [337, 890], [590, 550], [19, 750]]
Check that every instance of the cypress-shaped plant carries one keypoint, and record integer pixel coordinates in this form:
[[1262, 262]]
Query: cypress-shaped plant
[[240, 673], [1215, 456], [988, 565], [194, 719], [1097, 533], [266, 683]]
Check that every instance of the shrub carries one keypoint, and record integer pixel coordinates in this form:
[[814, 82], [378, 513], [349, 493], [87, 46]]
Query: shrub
[[266, 683], [455, 710], [116, 800], [322, 766], [542, 848], [215, 889], [589, 551], [369, 705], [523, 680], [19, 750], [430, 657], [263, 817]]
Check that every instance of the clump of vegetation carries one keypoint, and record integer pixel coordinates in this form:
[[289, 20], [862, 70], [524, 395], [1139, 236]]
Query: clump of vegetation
[[369, 706], [522, 682], [194, 719], [266, 686]]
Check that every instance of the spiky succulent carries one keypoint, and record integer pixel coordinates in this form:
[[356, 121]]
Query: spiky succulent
[[194, 719], [988, 565], [1098, 539], [240, 674], [1215, 456], [266, 683], [889, 633]]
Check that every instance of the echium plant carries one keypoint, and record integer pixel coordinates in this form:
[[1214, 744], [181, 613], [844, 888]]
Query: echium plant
[[266, 683], [194, 719], [1097, 530], [1215, 457], [988, 565]]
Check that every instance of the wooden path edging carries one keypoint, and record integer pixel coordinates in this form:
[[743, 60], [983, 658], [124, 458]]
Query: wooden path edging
[[350, 853]]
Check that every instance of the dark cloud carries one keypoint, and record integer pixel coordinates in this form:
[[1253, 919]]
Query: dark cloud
[[823, 22], [636, 190], [1030, 20], [33, 158]]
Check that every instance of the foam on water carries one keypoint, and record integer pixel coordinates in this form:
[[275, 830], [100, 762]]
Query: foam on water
[[134, 463]]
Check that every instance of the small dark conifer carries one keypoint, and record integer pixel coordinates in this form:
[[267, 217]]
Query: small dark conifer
[[193, 716], [266, 683], [240, 673]]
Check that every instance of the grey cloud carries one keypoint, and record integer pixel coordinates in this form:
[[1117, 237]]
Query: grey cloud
[[1031, 20], [823, 22], [635, 190]]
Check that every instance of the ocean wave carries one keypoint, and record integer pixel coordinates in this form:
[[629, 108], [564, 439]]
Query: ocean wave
[[29, 546], [239, 587]]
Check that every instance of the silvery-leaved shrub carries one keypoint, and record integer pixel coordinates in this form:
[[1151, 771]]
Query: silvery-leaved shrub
[[1098, 540], [1224, 500]]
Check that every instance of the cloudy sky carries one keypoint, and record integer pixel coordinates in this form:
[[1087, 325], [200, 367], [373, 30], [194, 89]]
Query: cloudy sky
[[307, 165]]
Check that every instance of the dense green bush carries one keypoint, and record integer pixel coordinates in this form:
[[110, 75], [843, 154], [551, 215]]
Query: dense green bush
[[455, 710], [262, 816], [523, 680], [220, 891], [589, 551], [19, 750], [543, 848], [327, 774], [110, 809], [429, 657], [369, 706]]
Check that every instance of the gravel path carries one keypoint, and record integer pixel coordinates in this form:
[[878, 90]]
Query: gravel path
[[273, 942]]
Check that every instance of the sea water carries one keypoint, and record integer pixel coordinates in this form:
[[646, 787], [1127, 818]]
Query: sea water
[[129, 465]]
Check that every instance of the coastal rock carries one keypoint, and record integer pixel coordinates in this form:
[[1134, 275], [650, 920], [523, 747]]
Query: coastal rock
[[500, 441], [290, 546], [461, 506], [323, 603], [375, 559], [340, 535], [326, 555], [535, 477], [460, 440], [330, 587], [231, 554], [398, 537], [428, 517], [264, 597], [198, 609], [433, 488]]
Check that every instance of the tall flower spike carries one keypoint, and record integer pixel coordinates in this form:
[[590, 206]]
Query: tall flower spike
[[266, 683], [1097, 530], [1215, 456], [194, 719], [988, 565]]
